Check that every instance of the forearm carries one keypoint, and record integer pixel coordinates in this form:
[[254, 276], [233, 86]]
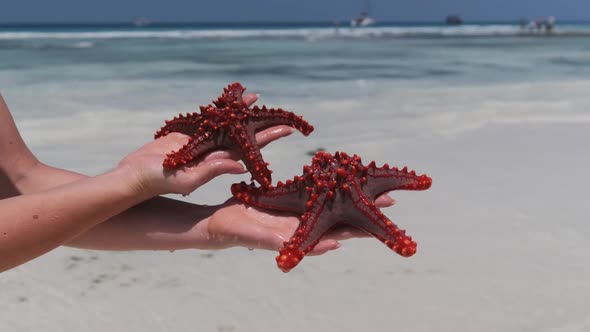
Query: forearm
[[16, 160], [7, 188], [31, 225], [157, 224]]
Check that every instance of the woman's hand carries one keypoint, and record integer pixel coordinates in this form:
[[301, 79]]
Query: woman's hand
[[235, 224], [151, 179]]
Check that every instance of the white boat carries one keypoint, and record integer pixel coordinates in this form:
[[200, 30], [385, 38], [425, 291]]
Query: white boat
[[364, 19]]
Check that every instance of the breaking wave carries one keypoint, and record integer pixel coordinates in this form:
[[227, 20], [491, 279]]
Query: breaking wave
[[299, 33]]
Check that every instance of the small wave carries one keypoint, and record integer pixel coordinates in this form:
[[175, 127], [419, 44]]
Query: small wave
[[83, 44], [37, 44], [310, 34], [570, 61]]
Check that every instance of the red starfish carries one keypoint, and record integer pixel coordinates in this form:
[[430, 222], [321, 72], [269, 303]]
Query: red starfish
[[336, 189], [229, 124]]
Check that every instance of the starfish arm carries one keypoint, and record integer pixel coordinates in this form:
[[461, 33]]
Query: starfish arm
[[195, 147], [288, 197], [308, 233], [231, 94], [384, 179], [262, 118], [185, 124], [250, 155], [366, 216]]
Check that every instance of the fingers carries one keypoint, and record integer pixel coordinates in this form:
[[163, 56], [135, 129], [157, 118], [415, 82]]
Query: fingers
[[175, 141], [384, 201], [213, 168], [173, 138], [324, 246], [221, 154], [250, 99], [172, 142], [272, 134], [321, 248], [263, 138], [273, 238], [345, 233]]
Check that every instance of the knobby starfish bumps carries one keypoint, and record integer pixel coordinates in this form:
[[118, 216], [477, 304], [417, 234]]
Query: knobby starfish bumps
[[335, 189], [229, 124]]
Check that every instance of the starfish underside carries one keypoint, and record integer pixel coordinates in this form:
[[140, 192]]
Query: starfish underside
[[229, 124], [335, 189]]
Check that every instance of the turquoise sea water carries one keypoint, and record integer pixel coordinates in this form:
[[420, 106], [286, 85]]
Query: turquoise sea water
[[278, 58], [54, 72]]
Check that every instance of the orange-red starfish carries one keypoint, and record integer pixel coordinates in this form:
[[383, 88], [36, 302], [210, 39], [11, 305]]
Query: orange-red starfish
[[229, 124], [335, 189]]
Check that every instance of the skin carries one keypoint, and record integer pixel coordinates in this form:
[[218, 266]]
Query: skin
[[43, 207]]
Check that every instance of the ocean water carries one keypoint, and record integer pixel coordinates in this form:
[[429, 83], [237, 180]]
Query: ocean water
[[289, 61], [410, 80]]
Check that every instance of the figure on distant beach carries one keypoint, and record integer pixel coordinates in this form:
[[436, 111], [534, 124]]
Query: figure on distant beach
[[336, 27], [523, 23], [44, 207], [550, 23], [539, 25]]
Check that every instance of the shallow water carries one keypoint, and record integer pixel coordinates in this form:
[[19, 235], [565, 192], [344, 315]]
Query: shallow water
[[291, 59], [58, 71]]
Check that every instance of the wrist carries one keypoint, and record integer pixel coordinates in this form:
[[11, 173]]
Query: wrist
[[132, 185]]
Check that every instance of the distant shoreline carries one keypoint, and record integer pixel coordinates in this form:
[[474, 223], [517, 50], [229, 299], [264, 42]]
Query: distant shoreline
[[300, 30], [269, 24]]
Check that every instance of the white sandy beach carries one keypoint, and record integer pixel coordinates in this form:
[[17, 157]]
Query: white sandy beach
[[502, 234]]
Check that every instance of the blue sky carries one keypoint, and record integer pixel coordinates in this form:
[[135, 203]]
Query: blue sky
[[12, 11]]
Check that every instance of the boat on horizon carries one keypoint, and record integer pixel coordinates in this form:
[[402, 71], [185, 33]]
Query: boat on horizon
[[142, 21], [454, 20], [364, 19]]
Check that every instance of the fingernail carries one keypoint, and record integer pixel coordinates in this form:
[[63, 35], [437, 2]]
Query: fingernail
[[337, 246], [258, 95], [239, 171]]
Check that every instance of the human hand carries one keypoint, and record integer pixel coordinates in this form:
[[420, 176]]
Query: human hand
[[151, 179], [235, 224]]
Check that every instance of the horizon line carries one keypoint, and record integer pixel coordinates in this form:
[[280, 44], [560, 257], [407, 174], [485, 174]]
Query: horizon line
[[269, 22]]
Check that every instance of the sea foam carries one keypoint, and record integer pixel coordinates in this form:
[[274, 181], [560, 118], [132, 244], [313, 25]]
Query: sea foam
[[472, 30]]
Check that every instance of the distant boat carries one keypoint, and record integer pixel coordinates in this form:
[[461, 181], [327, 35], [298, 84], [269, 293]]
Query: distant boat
[[454, 20], [364, 19], [141, 22]]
